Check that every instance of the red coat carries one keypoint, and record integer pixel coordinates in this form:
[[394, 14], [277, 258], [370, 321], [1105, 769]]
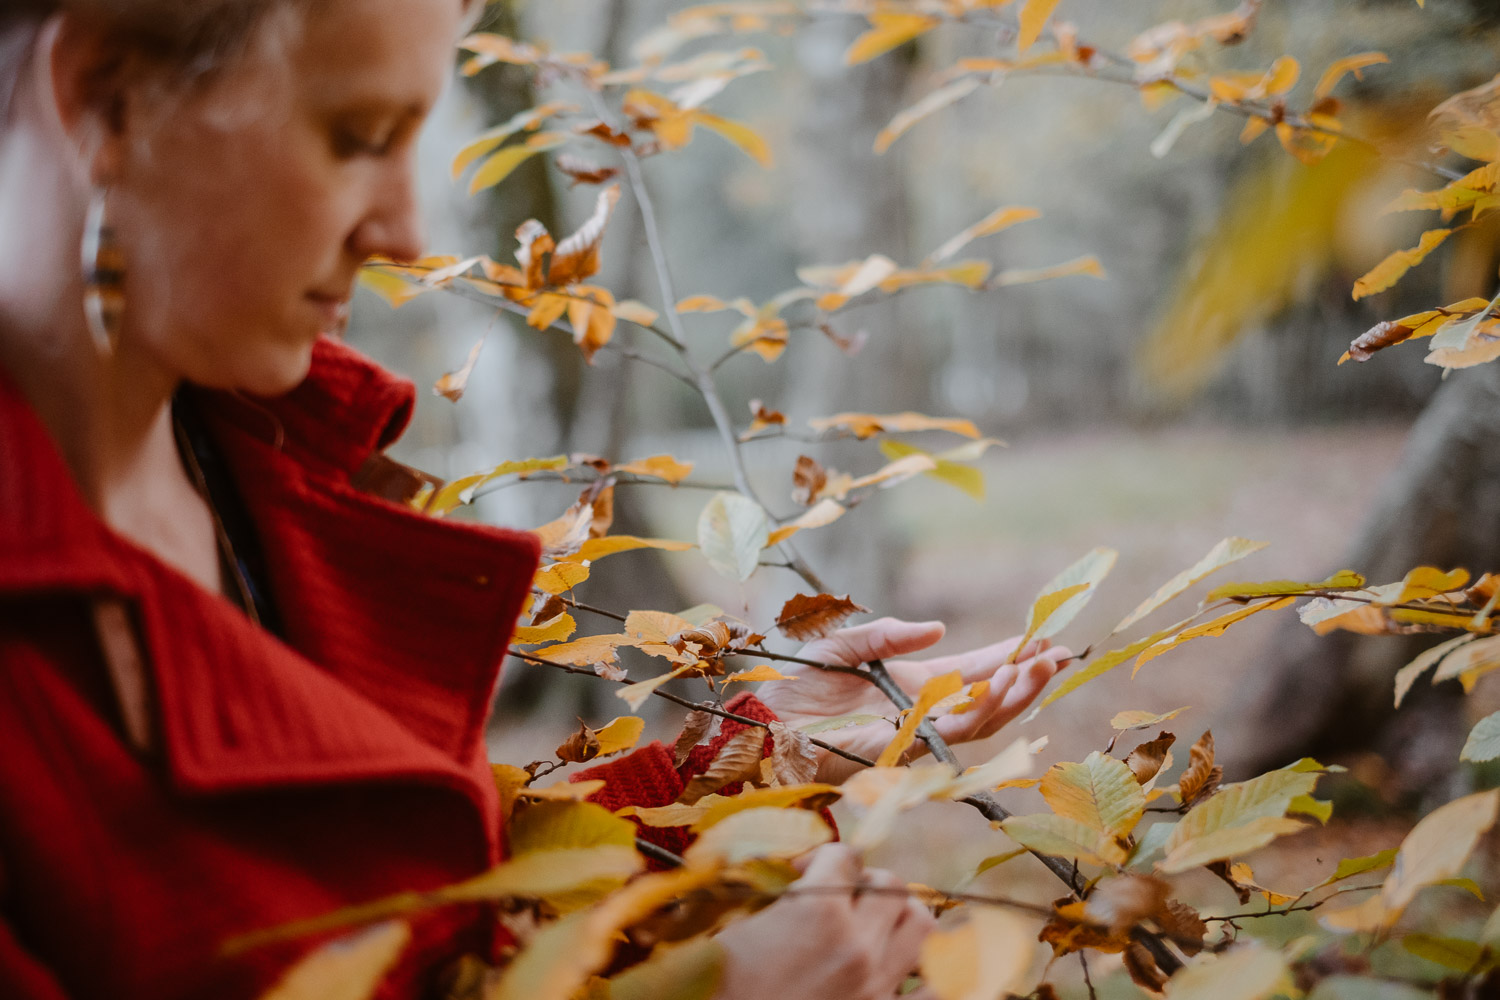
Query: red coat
[[252, 781]]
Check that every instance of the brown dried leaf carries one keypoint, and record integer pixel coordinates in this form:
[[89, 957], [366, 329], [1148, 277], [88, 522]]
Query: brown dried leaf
[[1121, 903], [808, 480], [452, 385], [582, 171], [1201, 777], [761, 418], [577, 257], [1142, 969], [1070, 930], [794, 759], [805, 618], [1182, 924], [850, 345], [552, 606], [1147, 759], [580, 747], [566, 535], [737, 761], [707, 641], [694, 728]]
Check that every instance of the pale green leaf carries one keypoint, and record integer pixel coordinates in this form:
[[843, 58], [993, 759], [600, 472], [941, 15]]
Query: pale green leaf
[[1228, 551], [732, 531], [1484, 740]]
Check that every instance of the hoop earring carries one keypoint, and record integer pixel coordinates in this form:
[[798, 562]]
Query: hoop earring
[[103, 275]]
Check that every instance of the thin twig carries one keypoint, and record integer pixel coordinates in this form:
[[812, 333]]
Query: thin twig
[[1088, 980], [697, 706]]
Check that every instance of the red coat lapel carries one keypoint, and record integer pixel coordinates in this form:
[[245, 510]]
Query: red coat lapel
[[395, 623]]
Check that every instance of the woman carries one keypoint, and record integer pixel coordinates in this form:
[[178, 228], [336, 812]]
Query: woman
[[236, 687]]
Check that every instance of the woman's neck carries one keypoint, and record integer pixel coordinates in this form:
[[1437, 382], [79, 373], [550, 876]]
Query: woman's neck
[[111, 418]]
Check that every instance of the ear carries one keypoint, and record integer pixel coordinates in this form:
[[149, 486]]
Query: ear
[[79, 77]]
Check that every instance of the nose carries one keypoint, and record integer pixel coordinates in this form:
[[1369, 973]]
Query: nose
[[392, 224]]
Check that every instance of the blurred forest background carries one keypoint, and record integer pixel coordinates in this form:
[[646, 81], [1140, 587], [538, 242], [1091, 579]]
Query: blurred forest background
[[1192, 394]]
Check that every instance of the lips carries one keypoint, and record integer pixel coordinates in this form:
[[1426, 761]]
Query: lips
[[333, 310]]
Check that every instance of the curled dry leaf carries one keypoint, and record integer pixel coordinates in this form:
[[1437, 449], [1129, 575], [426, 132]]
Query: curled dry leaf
[[1126, 721], [582, 171], [577, 257], [1201, 777], [762, 418], [1146, 760], [452, 385], [808, 479], [794, 759], [580, 747], [695, 728], [805, 618], [1123, 902], [1143, 969], [1070, 930], [738, 760]]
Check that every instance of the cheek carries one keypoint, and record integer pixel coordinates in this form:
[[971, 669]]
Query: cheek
[[225, 233]]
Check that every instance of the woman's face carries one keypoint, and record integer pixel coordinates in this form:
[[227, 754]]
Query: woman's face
[[246, 208]]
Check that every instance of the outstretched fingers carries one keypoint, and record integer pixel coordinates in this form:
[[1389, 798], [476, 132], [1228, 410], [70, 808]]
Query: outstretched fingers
[[877, 640]]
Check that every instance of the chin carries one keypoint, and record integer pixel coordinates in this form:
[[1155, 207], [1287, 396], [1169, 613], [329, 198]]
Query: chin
[[273, 371]]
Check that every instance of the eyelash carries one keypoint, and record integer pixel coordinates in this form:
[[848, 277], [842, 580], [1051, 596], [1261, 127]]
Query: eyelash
[[347, 146]]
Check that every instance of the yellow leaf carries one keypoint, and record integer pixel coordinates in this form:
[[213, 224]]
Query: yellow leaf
[[547, 308], [1126, 721], [933, 691], [691, 970], [553, 630], [598, 548], [559, 959], [995, 222], [522, 121], [1282, 76], [743, 136], [760, 833], [461, 491], [931, 104], [987, 956], [964, 477], [1101, 793], [636, 312], [1103, 665], [702, 303], [1342, 580], [1438, 846], [1250, 972], [1216, 626], [1034, 14], [502, 164], [591, 315], [1252, 130], [350, 968], [821, 514], [636, 694], [764, 672], [654, 627], [1228, 842], [1061, 837], [1205, 829], [1228, 551], [1349, 64], [560, 577], [663, 467], [1424, 582], [717, 808], [555, 826], [396, 291], [621, 734], [1091, 571], [889, 475], [1087, 266], [1389, 271], [584, 652], [887, 31]]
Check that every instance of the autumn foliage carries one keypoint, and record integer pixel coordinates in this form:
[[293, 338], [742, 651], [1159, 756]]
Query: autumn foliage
[[1122, 826]]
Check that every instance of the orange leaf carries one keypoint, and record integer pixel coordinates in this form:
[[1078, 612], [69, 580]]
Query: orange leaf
[[1349, 64], [887, 31], [933, 691], [663, 467], [452, 385], [867, 425], [1034, 14]]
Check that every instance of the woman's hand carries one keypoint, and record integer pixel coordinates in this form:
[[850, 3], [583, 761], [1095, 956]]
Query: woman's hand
[[850, 945], [820, 694]]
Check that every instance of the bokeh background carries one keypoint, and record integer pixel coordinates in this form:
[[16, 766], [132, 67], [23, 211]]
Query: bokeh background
[[1192, 394]]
